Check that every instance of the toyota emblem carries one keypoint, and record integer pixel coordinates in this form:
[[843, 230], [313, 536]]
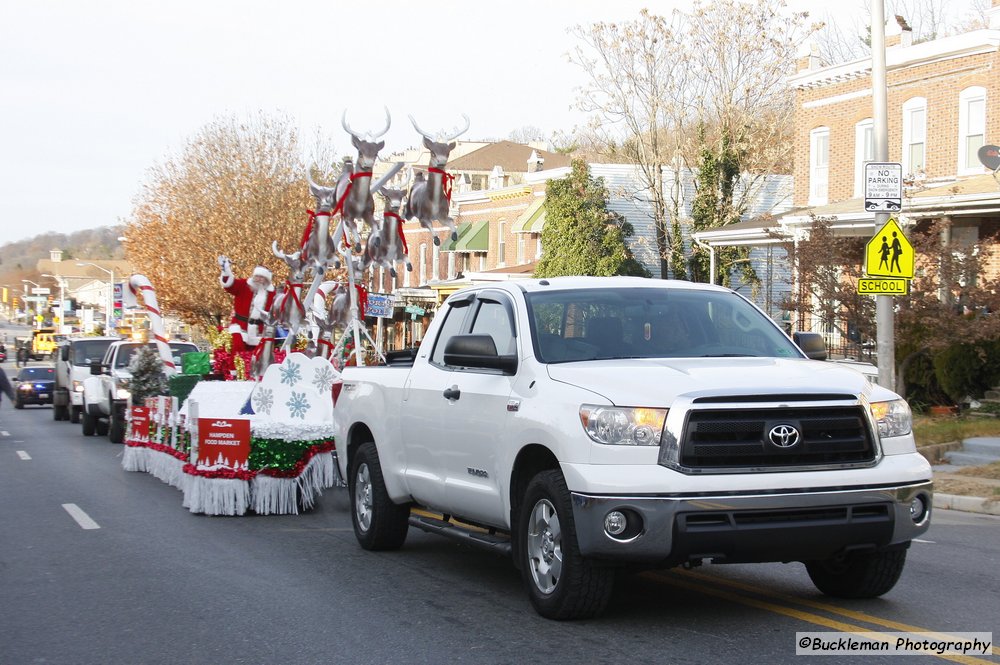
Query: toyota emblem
[[784, 436]]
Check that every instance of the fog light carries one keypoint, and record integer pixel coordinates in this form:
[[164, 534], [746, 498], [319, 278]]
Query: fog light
[[615, 523], [918, 508]]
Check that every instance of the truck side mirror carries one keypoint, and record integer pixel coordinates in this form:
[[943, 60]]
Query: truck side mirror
[[812, 344], [64, 353], [477, 351], [96, 368]]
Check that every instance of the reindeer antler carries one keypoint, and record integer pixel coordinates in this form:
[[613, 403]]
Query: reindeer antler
[[441, 137], [285, 257], [368, 135]]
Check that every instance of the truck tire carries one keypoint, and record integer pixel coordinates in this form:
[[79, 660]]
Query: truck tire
[[102, 427], [74, 414], [116, 427], [18, 404], [89, 423], [379, 524], [866, 575], [561, 583]]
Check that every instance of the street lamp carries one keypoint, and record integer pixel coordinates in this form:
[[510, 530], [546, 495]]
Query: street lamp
[[38, 305], [62, 296], [111, 294]]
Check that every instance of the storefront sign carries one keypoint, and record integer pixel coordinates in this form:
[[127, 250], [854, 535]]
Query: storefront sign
[[380, 305]]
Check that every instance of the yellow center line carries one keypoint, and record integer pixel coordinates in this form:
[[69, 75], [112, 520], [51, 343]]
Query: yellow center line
[[808, 617], [832, 609]]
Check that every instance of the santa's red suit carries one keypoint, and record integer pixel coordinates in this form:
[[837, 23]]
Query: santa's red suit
[[250, 303]]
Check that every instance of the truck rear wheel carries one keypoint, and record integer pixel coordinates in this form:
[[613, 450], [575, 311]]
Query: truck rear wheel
[[101, 427], [561, 583], [866, 575], [379, 524], [74, 414]]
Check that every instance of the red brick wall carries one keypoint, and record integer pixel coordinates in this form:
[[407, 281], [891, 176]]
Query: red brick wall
[[939, 82]]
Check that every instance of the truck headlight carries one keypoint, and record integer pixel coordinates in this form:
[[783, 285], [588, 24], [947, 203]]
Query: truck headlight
[[623, 426], [121, 393], [77, 386], [894, 418]]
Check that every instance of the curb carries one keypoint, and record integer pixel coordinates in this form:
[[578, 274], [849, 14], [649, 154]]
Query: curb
[[969, 504]]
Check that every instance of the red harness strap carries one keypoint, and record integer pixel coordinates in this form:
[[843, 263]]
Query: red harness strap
[[399, 229], [362, 300], [447, 181], [290, 291]]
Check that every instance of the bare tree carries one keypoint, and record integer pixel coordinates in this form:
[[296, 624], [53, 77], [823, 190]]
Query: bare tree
[[237, 185], [658, 83], [527, 134]]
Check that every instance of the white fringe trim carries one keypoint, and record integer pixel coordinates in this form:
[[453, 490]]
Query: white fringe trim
[[135, 458], [215, 496], [280, 496], [166, 467]]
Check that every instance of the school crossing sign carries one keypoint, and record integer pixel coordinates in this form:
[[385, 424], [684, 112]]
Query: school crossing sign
[[889, 253]]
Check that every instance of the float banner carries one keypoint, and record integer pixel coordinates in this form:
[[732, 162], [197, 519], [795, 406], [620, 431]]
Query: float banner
[[140, 423], [223, 442]]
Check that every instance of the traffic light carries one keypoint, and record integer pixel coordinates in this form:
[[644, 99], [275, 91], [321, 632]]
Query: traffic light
[[16, 303]]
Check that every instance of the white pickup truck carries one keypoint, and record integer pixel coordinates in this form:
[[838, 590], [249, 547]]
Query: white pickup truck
[[588, 424], [72, 369], [106, 391]]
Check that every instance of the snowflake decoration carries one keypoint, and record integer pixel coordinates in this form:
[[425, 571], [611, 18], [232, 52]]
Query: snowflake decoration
[[290, 373], [323, 379], [263, 400], [297, 405]]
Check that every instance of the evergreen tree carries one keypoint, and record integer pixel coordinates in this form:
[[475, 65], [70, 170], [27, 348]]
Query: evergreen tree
[[148, 379], [581, 236], [715, 206]]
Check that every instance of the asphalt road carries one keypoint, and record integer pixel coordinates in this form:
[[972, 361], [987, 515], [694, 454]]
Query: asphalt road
[[156, 584]]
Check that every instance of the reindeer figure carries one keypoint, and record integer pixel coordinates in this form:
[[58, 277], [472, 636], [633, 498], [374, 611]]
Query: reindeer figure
[[287, 308], [391, 247], [430, 198], [319, 248], [321, 331], [353, 188]]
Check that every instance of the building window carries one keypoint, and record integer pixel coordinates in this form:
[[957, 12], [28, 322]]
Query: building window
[[451, 265], [864, 152], [914, 135], [520, 248], [482, 262], [971, 129], [436, 261], [819, 166], [538, 246], [501, 244]]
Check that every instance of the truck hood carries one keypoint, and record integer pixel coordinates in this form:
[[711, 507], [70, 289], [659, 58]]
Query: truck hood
[[659, 381]]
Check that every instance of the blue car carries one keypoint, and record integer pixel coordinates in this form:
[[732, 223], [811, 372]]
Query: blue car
[[34, 385]]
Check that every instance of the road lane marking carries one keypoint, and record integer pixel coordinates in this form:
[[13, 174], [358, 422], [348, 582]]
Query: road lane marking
[[4, 433], [82, 518], [23, 455], [809, 617], [826, 607], [920, 540]]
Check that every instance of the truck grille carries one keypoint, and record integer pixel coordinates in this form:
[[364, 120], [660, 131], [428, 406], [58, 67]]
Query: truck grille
[[719, 439]]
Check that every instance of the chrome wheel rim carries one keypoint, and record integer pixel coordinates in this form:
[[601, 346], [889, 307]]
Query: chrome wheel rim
[[363, 497], [545, 553]]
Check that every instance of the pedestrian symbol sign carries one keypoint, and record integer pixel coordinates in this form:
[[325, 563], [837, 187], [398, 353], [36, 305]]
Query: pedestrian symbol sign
[[889, 253]]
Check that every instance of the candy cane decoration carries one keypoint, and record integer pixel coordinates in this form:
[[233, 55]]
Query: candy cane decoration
[[137, 283]]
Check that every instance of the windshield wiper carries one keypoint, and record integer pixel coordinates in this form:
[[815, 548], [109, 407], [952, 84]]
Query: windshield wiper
[[728, 355]]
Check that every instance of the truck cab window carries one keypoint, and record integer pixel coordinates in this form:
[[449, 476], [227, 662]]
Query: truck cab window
[[452, 326], [492, 319]]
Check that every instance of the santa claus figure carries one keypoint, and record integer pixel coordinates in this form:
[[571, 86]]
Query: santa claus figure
[[251, 302]]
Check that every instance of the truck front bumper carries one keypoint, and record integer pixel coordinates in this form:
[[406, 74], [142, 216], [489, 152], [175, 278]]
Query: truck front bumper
[[746, 527]]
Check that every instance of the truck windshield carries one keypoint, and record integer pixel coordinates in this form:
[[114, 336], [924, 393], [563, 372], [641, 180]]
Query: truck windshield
[[593, 324], [177, 349], [87, 350]]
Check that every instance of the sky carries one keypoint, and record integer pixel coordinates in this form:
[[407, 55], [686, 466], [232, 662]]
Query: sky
[[95, 92]]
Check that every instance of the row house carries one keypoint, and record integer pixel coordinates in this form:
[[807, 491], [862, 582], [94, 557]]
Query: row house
[[938, 98]]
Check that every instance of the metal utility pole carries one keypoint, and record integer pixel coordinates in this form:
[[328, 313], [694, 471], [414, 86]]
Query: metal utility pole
[[885, 317]]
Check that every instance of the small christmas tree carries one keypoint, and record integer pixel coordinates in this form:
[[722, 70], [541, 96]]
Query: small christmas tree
[[148, 379]]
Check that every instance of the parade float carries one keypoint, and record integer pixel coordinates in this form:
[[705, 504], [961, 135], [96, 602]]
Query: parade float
[[259, 437]]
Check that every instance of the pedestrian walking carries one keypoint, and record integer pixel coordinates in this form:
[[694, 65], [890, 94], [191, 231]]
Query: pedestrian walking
[[22, 356], [5, 387]]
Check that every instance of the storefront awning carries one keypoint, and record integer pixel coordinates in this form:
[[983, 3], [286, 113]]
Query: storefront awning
[[532, 219], [449, 245], [475, 239]]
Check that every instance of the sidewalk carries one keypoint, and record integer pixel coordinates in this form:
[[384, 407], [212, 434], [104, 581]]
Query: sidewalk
[[969, 504]]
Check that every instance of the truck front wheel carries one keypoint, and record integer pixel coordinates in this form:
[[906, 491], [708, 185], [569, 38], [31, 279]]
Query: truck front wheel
[[561, 583], [116, 432], [379, 524], [866, 575], [74, 414], [89, 423]]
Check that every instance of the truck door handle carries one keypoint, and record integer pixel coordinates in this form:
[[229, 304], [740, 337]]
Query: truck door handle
[[452, 393]]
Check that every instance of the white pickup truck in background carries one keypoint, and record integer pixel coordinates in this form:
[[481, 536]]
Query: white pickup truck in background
[[106, 391], [588, 424], [72, 369]]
